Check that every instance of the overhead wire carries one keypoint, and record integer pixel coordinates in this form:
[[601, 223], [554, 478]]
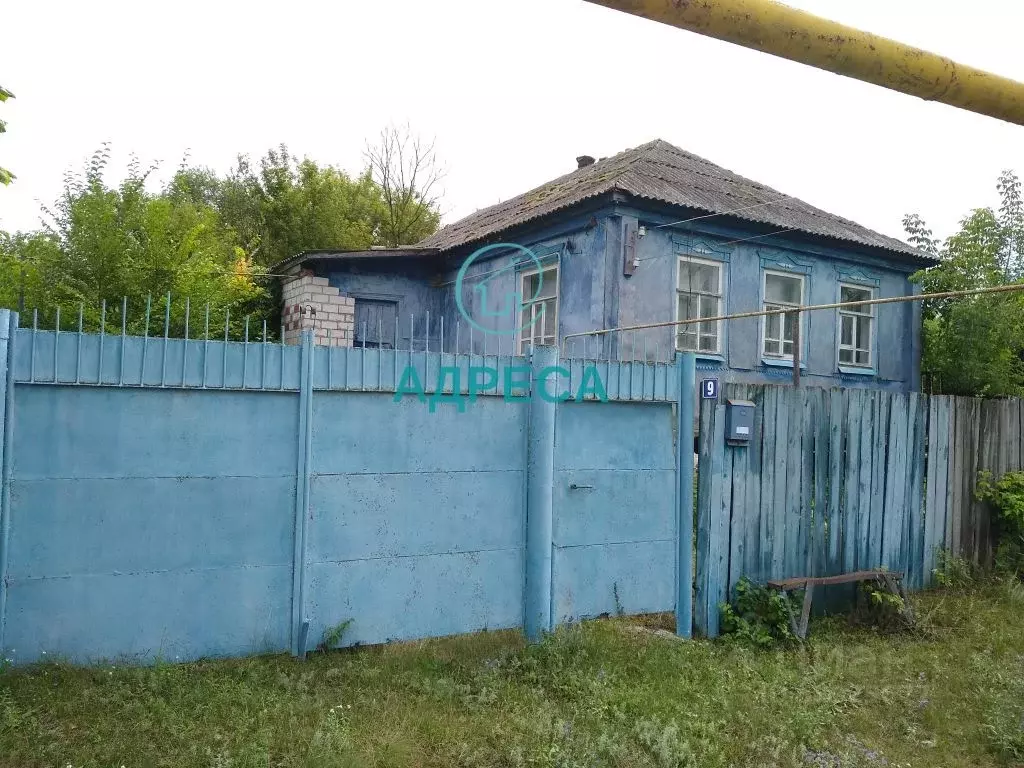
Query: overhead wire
[[807, 308]]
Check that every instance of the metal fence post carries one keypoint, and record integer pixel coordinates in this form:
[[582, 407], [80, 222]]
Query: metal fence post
[[686, 367], [540, 474], [303, 470], [8, 326]]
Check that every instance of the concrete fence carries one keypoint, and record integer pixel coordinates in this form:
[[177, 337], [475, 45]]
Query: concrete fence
[[175, 499]]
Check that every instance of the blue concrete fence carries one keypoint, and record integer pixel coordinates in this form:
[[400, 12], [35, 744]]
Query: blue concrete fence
[[176, 499]]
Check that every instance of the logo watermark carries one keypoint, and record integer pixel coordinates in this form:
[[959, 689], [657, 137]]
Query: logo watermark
[[518, 385], [508, 303], [514, 383]]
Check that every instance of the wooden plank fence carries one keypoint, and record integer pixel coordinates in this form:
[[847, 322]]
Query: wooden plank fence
[[842, 480]]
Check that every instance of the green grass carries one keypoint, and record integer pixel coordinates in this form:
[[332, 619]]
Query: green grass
[[951, 694]]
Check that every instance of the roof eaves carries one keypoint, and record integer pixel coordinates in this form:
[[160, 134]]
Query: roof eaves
[[335, 254]]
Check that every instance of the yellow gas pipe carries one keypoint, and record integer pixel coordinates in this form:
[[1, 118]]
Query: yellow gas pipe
[[799, 36]]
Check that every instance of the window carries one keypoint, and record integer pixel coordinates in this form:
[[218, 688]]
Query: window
[[538, 312], [698, 295], [856, 325], [781, 291], [374, 323]]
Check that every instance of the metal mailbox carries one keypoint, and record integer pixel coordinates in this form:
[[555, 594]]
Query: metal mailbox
[[739, 421]]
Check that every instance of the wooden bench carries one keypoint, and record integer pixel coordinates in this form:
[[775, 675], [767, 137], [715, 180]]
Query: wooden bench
[[891, 581]]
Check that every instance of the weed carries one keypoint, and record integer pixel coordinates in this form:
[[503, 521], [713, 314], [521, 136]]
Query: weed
[[619, 610], [1009, 558], [333, 635], [957, 573], [879, 608], [1004, 717], [1005, 727], [758, 615]]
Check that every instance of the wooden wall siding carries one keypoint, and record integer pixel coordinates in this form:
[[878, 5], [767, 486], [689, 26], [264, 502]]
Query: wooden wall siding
[[845, 479]]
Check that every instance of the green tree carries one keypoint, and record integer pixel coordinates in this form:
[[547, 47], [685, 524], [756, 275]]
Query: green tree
[[6, 177], [103, 243], [289, 205], [203, 236], [20, 283], [975, 345]]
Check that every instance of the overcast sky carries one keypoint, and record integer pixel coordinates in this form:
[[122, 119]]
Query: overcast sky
[[511, 90]]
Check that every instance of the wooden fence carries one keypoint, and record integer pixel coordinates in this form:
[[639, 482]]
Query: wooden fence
[[841, 480]]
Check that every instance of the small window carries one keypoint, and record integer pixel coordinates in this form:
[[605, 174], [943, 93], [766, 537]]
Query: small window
[[856, 327], [781, 291], [538, 311], [374, 323], [699, 295]]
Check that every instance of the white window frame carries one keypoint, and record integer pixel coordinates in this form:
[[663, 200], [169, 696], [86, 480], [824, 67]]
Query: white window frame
[[529, 336], [781, 355], [720, 265], [856, 312]]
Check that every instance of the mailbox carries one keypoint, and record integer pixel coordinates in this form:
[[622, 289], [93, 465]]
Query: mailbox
[[739, 421]]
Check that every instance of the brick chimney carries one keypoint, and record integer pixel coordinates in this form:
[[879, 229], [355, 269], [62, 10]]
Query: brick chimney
[[310, 302], [583, 161]]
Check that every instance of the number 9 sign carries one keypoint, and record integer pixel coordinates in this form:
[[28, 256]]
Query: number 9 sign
[[709, 389]]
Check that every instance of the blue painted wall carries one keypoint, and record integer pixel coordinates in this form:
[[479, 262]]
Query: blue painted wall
[[149, 523], [407, 282], [615, 520], [153, 508], [595, 293], [896, 347], [416, 527]]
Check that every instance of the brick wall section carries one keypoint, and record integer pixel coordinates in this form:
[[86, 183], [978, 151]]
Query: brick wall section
[[309, 302]]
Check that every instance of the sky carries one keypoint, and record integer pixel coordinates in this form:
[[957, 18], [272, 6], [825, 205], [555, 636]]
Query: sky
[[511, 91]]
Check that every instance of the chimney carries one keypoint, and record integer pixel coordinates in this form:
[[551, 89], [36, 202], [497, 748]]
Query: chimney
[[583, 161]]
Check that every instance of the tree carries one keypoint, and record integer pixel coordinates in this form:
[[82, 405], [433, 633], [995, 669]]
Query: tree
[[291, 205], [6, 177], [204, 236], [19, 276], [975, 345], [103, 243], [918, 234], [407, 171]]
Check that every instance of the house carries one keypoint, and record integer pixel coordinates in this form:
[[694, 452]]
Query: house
[[649, 235]]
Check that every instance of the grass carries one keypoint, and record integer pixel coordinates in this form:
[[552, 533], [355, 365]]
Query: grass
[[951, 694]]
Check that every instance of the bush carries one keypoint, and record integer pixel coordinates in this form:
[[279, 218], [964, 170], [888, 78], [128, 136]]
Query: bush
[[757, 615], [1006, 496]]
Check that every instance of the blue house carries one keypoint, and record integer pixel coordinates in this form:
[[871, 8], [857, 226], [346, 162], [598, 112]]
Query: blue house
[[653, 234]]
